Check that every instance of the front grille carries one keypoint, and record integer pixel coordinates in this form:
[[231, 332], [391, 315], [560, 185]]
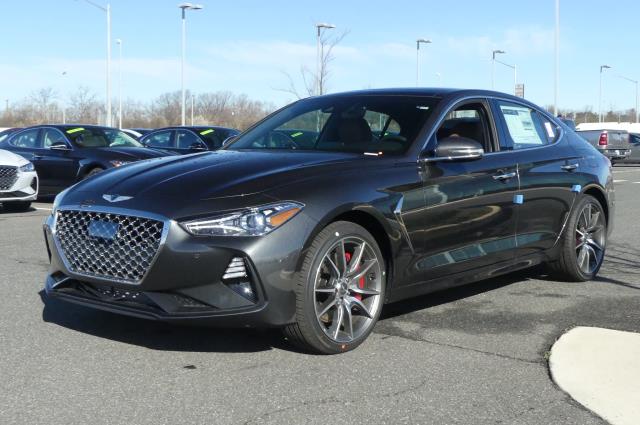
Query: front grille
[[8, 177], [112, 246]]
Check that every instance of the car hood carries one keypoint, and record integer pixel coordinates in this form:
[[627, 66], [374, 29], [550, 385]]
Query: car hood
[[205, 176], [11, 159]]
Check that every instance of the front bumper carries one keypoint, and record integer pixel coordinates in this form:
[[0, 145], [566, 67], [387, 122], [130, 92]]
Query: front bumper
[[184, 281], [24, 189]]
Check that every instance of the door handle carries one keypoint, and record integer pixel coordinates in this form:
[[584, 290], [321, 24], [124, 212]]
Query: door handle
[[570, 167], [505, 176]]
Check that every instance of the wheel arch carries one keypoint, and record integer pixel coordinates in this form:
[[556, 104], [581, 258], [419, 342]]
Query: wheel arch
[[599, 194], [369, 218]]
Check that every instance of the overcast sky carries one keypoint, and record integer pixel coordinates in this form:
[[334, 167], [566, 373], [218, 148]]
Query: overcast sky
[[246, 46]]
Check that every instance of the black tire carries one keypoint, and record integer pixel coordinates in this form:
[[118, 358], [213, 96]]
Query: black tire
[[93, 172], [21, 206], [569, 266], [309, 331]]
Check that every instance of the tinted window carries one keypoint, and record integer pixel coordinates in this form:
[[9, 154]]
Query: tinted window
[[470, 121], [97, 137], [213, 137], [161, 139], [340, 123], [525, 127], [51, 136], [26, 139], [185, 139]]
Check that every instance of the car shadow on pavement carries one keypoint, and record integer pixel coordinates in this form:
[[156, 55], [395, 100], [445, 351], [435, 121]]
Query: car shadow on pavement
[[158, 335], [446, 296]]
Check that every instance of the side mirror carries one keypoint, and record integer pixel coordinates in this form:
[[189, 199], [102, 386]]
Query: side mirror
[[456, 149], [228, 140], [59, 146], [197, 147]]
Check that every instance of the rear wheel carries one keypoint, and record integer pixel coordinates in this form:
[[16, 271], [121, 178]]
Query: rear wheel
[[340, 290], [17, 206], [583, 243]]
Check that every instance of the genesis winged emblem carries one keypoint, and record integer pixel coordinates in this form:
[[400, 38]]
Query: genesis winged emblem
[[116, 198]]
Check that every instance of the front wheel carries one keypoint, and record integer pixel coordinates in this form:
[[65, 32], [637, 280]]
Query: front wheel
[[583, 243], [340, 290]]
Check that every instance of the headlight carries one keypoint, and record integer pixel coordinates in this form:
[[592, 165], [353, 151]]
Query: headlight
[[119, 163], [28, 167], [250, 222]]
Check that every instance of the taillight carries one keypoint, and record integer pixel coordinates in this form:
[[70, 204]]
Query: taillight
[[604, 139]]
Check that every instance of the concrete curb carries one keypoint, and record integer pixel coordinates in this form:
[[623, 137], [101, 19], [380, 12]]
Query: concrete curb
[[600, 368]]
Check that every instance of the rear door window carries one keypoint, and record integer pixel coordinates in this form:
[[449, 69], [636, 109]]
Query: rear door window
[[161, 139], [27, 139], [525, 127]]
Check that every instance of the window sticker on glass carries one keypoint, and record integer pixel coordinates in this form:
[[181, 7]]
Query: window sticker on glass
[[521, 126], [549, 128]]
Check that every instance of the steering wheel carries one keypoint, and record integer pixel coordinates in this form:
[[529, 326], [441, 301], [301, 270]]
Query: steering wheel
[[283, 140]]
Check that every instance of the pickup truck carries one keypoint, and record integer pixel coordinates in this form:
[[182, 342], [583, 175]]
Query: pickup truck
[[614, 144]]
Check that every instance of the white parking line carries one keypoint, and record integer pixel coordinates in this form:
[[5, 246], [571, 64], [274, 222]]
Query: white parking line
[[42, 209], [620, 181]]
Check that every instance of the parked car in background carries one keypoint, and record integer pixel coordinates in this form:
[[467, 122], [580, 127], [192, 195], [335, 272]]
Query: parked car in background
[[612, 143], [18, 182], [7, 132], [65, 154], [316, 236], [634, 156], [184, 140]]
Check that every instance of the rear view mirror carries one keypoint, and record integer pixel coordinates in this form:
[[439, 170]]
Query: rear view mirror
[[455, 148], [59, 146], [197, 147]]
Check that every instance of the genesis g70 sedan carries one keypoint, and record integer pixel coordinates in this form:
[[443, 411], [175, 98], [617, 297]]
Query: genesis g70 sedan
[[390, 194]]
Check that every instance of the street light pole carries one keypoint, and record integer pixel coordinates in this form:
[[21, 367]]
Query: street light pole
[[119, 41], [418, 42], [107, 10], [602, 68], [64, 112], [185, 7], [636, 83], [493, 67], [320, 54], [556, 85]]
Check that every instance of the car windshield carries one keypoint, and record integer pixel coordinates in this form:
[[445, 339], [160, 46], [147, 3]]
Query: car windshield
[[375, 124], [96, 137]]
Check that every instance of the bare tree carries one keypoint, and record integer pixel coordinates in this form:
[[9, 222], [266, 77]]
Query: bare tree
[[314, 82], [84, 106], [42, 101]]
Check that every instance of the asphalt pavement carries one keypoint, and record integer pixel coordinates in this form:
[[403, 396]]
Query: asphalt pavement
[[473, 355]]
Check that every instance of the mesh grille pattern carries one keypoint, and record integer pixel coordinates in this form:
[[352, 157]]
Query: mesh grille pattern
[[106, 245], [8, 177]]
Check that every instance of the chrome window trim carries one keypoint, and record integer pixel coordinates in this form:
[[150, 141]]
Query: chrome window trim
[[167, 223]]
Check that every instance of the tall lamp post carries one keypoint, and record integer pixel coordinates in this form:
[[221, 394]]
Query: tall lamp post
[[64, 112], [320, 53], [418, 43], [493, 66], [107, 10], [185, 7], [602, 68], [636, 83], [119, 41]]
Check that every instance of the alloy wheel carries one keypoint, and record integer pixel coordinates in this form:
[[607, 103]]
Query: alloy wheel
[[590, 238], [347, 289]]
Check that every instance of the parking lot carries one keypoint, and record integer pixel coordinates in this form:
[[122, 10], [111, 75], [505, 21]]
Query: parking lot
[[470, 355]]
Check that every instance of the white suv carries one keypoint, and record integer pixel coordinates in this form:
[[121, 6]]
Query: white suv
[[18, 182]]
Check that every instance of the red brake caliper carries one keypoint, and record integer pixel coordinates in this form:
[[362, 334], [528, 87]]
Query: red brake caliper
[[347, 256]]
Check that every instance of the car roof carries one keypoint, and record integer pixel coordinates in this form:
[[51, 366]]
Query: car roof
[[70, 126], [195, 127]]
